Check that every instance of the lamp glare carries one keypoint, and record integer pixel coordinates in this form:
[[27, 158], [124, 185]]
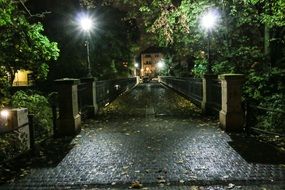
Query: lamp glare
[[160, 64], [4, 113], [86, 23], [209, 20]]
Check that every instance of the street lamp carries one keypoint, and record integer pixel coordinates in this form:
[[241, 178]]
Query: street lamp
[[160, 64], [4, 114], [86, 24], [208, 22], [136, 67]]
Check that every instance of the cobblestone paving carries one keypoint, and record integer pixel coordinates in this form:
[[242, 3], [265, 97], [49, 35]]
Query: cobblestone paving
[[155, 137]]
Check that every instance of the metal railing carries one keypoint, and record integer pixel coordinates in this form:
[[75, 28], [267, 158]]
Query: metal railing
[[216, 96], [108, 90], [195, 89], [192, 88], [264, 120], [82, 91]]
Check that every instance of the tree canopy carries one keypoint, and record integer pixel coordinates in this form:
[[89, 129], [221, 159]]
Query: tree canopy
[[175, 24], [23, 45], [113, 40]]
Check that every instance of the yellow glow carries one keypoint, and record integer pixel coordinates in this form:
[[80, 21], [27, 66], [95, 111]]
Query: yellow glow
[[4, 114], [21, 78]]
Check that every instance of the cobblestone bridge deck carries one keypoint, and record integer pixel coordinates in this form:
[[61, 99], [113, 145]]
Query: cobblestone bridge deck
[[153, 137]]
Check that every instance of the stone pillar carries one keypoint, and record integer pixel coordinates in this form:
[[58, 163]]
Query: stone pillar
[[207, 82], [92, 106], [69, 119], [18, 119], [231, 115]]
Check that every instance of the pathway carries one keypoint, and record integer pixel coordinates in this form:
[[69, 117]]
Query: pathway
[[155, 138]]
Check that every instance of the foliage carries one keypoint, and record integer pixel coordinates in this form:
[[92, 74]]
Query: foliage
[[272, 12], [200, 67], [23, 46], [260, 85], [274, 118], [37, 105], [112, 41], [176, 25], [267, 90], [12, 144], [116, 44], [4, 88]]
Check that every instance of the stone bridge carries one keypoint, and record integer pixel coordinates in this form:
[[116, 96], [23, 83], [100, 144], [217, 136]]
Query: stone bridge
[[153, 138]]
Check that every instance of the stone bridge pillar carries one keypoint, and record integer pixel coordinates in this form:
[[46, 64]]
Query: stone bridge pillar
[[92, 107], [231, 115], [69, 119], [207, 82]]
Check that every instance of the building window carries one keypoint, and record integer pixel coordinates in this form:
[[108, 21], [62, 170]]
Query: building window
[[147, 55]]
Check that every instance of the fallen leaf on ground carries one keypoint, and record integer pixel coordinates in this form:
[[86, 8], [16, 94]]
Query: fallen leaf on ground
[[160, 179], [179, 162], [194, 188], [230, 186], [136, 185]]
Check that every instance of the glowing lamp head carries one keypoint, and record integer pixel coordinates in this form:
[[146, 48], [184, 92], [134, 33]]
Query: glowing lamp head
[[136, 65], [209, 19], [160, 64], [4, 114], [86, 23]]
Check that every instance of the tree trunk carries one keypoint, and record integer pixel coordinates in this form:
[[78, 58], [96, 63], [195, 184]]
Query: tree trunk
[[267, 46], [11, 76]]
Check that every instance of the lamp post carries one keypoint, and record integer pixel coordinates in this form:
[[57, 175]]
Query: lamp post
[[86, 25], [136, 67], [209, 21], [161, 64]]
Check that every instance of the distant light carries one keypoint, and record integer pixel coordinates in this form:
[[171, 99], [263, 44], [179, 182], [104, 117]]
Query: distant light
[[160, 64], [117, 86], [209, 19], [4, 114], [136, 65]]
